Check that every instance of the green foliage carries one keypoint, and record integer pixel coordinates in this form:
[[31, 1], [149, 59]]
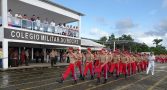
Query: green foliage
[[126, 37], [112, 37], [157, 41], [102, 40], [136, 47]]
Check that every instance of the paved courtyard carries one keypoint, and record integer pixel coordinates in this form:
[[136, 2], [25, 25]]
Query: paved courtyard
[[45, 79]]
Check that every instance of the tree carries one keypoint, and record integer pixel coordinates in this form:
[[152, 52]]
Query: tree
[[112, 37], [157, 41], [125, 37], [102, 40]]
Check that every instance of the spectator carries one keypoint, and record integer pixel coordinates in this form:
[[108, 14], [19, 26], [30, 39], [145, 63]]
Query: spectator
[[52, 57], [15, 58], [64, 57], [24, 21], [33, 18], [53, 24], [77, 31], [25, 16], [33, 21], [17, 20], [70, 31], [23, 57], [27, 57], [47, 56], [46, 25], [9, 13], [64, 29], [74, 31], [37, 56], [56, 56], [58, 29], [16, 15], [38, 23], [20, 16], [42, 56], [10, 63], [1, 57], [9, 17]]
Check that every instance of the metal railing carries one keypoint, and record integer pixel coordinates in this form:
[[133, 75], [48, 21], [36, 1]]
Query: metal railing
[[33, 25]]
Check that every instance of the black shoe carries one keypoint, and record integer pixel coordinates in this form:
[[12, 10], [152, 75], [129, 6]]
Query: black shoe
[[75, 81], [80, 76], [117, 76], [98, 80], [83, 78], [60, 81], [92, 78], [125, 75], [105, 81]]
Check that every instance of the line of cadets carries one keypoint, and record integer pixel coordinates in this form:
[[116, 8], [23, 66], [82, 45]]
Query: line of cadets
[[161, 58], [111, 63]]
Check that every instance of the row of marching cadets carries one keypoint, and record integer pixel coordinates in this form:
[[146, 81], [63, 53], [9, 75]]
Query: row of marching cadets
[[104, 63], [161, 58]]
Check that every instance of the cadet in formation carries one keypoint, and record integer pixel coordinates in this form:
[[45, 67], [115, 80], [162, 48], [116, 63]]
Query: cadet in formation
[[110, 63]]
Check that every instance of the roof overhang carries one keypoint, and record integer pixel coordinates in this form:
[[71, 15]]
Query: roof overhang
[[60, 6]]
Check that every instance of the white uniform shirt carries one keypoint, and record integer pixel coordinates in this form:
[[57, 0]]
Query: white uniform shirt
[[151, 58]]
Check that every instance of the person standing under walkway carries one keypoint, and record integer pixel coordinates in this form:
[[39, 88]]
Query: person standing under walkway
[[37, 56], [23, 57], [151, 64], [15, 58], [1, 57], [52, 57], [27, 57], [56, 56]]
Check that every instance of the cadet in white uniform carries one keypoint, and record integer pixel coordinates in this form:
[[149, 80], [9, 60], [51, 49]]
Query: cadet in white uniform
[[151, 64]]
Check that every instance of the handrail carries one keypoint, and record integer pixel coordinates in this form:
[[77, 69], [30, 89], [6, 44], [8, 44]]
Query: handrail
[[34, 25]]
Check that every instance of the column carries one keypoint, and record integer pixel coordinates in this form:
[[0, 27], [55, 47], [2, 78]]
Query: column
[[123, 47], [32, 53], [79, 48], [4, 12], [114, 46], [5, 54], [79, 25], [44, 51]]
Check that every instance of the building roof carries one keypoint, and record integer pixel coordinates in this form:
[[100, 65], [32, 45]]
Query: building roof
[[122, 42], [90, 43], [60, 6]]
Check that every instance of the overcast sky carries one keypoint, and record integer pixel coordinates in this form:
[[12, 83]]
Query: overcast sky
[[143, 19]]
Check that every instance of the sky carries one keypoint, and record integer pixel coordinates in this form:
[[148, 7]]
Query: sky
[[144, 20]]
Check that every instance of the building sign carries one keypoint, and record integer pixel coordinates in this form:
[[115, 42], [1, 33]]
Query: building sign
[[32, 36]]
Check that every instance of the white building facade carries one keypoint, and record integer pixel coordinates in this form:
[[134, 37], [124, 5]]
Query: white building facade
[[18, 29]]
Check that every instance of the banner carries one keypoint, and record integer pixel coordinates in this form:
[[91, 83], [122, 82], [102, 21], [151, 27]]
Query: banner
[[32, 36]]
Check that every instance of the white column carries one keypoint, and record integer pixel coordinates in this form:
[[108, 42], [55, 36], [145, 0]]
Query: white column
[[32, 52], [114, 45], [4, 12], [44, 51], [5, 53], [79, 25], [79, 48], [123, 47]]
